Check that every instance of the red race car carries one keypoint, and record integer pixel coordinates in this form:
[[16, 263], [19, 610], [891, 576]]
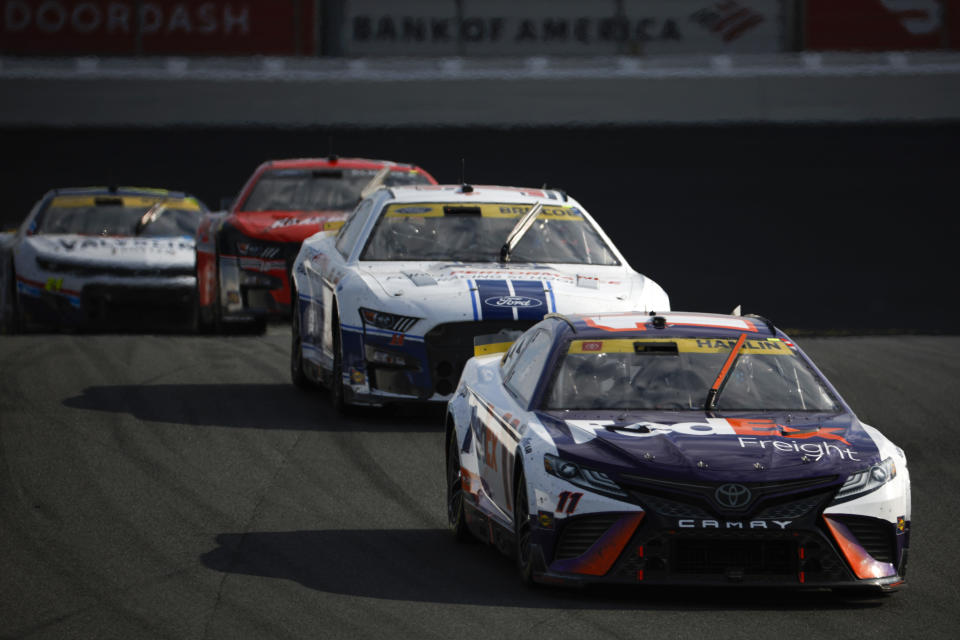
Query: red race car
[[244, 254]]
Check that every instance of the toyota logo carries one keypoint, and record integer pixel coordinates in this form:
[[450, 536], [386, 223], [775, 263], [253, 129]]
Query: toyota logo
[[732, 496]]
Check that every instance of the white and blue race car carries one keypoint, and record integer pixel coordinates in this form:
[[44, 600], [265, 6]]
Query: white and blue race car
[[386, 308], [672, 449], [101, 257]]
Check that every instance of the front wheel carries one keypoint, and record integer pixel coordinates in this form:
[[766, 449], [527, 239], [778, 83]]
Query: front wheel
[[12, 318], [455, 516], [297, 375], [522, 530], [337, 392]]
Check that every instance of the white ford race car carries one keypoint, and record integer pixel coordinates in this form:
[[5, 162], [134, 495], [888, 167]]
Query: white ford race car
[[387, 307]]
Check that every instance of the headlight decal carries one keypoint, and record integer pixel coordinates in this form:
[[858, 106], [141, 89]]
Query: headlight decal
[[388, 321], [574, 473], [866, 481]]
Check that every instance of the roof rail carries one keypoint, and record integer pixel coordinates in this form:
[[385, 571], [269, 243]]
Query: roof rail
[[560, 316]]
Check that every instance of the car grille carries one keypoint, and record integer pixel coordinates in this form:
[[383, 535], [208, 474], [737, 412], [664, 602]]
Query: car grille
[[670, 508], [450, 345], [758, 556], [113, 305], [780, 557], [876, 536], [120, 270], [579, 534], [696, 500]]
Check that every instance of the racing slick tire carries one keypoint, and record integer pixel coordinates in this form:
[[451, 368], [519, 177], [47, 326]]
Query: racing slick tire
[[12, 320], [455, 515], [521, 530], [297, 374], [337, 392]]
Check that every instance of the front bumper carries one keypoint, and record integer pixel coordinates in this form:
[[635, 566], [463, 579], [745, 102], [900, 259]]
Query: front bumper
[[807, 558], [787, 537], [109, 304]]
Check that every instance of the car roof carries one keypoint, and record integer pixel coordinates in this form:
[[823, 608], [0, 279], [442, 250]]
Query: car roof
[[672, 324], [336, 161], [118, 191], [475, 193]]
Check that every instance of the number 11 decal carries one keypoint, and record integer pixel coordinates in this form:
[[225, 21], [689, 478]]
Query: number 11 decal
[[568, 500]]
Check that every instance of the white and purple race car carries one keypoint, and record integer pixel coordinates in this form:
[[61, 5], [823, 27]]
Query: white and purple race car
[[671, 449], [102, 257], [387, 307]]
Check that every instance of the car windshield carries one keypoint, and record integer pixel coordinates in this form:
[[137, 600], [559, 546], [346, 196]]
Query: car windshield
[[768, 375], [319, 189], [476, 233], [120, 215]]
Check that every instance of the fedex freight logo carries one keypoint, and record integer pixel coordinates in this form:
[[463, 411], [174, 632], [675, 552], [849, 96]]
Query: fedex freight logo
[[512, 301], [749, 434]]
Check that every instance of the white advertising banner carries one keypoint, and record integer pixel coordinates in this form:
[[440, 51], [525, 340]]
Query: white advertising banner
[[560, 27]]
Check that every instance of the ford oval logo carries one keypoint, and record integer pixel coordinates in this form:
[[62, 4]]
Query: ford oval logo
[[732, 496], [512, 301]]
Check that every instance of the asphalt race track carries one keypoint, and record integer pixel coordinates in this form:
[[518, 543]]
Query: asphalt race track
[[180, 487]]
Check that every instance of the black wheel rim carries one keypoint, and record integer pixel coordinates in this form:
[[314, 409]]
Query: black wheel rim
[[454, 483]]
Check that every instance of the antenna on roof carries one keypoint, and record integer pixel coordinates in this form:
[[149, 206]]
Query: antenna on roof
[[331, 156], [736, 311], [464, 187]]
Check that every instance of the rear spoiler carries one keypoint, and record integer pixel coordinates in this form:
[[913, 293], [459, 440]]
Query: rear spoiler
[[492, 343]]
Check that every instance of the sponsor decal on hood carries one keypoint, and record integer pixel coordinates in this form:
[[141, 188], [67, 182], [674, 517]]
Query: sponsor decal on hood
[[286, 227], [827, 443], [112, 249]]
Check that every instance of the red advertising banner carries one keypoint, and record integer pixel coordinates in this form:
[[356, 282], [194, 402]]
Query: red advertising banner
[[881, 25], [128, 27]]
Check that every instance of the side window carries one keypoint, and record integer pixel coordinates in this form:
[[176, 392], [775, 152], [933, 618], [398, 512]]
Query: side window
[[527, 367], [351, 229], [510, 357]]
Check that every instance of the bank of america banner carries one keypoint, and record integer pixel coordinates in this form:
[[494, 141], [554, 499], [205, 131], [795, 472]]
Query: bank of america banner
[[560, 27]]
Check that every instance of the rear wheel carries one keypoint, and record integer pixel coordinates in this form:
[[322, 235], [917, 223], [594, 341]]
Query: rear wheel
[[455, 517], [522, 530]]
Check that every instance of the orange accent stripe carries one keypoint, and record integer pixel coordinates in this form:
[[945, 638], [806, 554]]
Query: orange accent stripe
[[729, 362], [598, 560], [862, 563]]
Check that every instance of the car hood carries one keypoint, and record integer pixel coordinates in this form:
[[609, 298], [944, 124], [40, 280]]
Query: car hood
[[746, 448], [285, 226], [93, 251], [495, 290]]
